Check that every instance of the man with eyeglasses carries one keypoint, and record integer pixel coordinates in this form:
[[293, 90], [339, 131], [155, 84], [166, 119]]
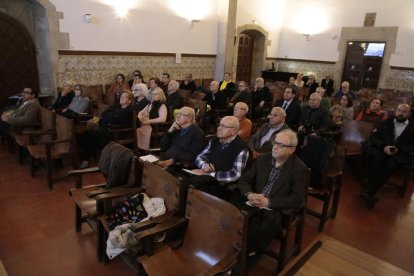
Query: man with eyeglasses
[[183, 141], [260, 142], [245, 125], [25, 115], [260, 96], [276, 181], [222, 160], [174, 99]]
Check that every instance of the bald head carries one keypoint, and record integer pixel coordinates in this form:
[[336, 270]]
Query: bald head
[[315, 100], [227, 129], [214, 86]]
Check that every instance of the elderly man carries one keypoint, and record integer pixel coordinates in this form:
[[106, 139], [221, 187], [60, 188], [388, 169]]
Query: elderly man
[[315, 119], [311, 84], [222, 160], [275, 181], [174, 99], [345, 90], [227, 85], [65, 97], [188, 83], [245, 125], [391, 144], [324, 100], [27, 113], [216, 100], [183, 141], [291, 106], [260, 142], [327, 83], [260, 95]]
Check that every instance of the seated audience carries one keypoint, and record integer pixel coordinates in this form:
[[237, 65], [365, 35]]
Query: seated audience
[[345, 90], [165, 80], [325, 101], [27, 114], [136, 78], [327, 83], [260, 142], [114, 93], [390, 146], [276, 181], [140, 91], [311, 84], [155, 112], [291, 106], [227, 86], [117, 116], [241, 95], [188, 83], [298, 81], [314, 118], [153, 84], [260, 95], [64, 98], [373, 114], [79, 104], [222, 161], [245, 125], [183, 141], [344, 111], [174, 99]]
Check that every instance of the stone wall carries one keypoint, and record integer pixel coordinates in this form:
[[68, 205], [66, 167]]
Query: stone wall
[[102, 69]]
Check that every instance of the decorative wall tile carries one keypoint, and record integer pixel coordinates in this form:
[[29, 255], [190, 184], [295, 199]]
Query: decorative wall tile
[[91, 69]]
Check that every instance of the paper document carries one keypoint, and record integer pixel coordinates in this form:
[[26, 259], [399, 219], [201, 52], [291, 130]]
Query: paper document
[[149, 158], [191, 172]]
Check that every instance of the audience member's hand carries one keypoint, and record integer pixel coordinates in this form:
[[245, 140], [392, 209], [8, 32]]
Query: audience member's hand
[[258, 200], [208, 168], [165, 163], [390, 150], [198, 171], [313, 134], [261, 104], [208, 107], [301, 129], [5, 117], [174, 126]]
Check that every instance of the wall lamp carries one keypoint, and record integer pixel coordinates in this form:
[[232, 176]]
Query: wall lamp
[[306, 37], [193, 22], [87, 17]]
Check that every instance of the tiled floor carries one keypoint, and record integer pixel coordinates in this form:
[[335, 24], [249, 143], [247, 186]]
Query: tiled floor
[[37, 235]]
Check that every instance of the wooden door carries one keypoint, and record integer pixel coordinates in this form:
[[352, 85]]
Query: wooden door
[[18, 68], [245, 58], [363, 63]]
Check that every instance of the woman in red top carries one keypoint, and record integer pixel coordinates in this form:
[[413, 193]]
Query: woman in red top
[[373, 114]]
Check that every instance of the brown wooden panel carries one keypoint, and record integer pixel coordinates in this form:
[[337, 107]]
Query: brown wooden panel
[[245, 58]]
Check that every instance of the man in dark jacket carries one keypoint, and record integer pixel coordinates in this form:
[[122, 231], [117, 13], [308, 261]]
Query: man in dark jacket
[[183, 141], [275, 181], [174, 99], [291, 106], [390, 146], [314, 118]]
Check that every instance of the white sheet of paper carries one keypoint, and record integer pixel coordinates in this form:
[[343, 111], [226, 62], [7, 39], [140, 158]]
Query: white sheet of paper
[[191, 172], [149, 158], [248, 203]]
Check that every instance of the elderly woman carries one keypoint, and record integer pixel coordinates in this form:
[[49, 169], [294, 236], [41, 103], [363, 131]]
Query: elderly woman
[[245, 128], [373, 114], [114, 93], [140, 91], [155, 112], [79, 103]]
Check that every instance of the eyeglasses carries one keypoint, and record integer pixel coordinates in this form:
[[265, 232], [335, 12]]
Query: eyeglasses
[[27, 92], [182, 114], [239, 108], [136, 76], [224, 126], [281, 145], [135, 90], [77, 89]]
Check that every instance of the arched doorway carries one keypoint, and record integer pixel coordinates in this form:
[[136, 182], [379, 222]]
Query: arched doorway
[[250, 53], [18, 67]]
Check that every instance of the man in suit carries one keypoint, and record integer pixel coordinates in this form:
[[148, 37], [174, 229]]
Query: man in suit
[[291, 106], [327, 83], [276, 181], [27, 113], [165, 80], [261, 141], [391, 144], [227, 86], [216, 100], [260, 96], [311, 84], [174, 99], [314, 118]]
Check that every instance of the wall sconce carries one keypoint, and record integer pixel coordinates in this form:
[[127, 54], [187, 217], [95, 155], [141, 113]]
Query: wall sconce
[[193, 22], [306, 37], [87, 18]]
